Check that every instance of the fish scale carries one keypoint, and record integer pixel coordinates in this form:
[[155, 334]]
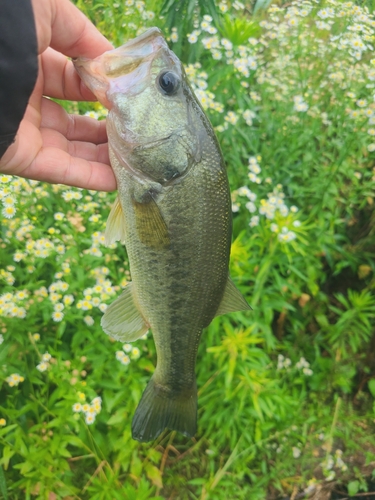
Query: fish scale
[[174, 215]]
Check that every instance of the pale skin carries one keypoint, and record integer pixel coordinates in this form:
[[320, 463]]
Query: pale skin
[[51, 145]]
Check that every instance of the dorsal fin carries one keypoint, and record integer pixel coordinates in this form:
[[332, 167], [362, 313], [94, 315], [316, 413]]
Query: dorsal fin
[[232, 300]]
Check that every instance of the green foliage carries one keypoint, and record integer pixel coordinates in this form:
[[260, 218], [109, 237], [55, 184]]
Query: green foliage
[[286, 391]]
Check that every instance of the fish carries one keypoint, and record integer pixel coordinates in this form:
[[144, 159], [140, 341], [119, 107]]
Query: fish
[[173, 213]]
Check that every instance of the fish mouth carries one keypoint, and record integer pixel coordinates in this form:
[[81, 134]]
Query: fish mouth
[[128, 57], [113, 67]]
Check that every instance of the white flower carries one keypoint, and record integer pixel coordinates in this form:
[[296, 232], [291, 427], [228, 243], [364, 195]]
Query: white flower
[[193, 37], [89, 418], [302, 363], [42, 367], [8, 211], [254, 221], [325, 13], [135, 353], [226, 44], [89, 320], [57, 316], [307, 371], [296, 452], [361, 103], [301, 107], [125, 360], [251, 207]]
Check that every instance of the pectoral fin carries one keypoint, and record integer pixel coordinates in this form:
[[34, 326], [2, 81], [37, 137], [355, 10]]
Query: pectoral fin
[[151, 227], [115, 230], [232, 300], [122, 320]]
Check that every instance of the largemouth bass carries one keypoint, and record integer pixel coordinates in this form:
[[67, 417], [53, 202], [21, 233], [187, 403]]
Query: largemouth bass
[[173, 213]]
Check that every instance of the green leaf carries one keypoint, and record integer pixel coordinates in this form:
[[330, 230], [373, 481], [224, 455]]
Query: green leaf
[[154, 475], [353, 487], [3, 484], [7, 455], [371, 386], [118, 417]]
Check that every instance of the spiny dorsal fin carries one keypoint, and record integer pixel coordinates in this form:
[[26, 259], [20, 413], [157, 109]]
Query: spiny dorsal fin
[[151, 227], [232, 300], [115, 229], [122, 320]]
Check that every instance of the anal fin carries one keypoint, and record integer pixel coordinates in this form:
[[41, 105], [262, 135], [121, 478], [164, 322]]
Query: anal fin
[[122, 320]]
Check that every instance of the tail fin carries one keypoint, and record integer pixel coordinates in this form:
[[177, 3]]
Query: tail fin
[[159, 408]]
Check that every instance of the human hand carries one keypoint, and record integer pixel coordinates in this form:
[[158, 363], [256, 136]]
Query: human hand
[[52, 145]]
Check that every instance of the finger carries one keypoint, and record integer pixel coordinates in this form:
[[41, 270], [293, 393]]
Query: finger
[[73, 34], [61, 80], [58, 167], [86, 150], [31, 158], [73, 127]]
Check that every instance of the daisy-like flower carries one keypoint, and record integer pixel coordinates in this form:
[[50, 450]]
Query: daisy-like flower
[[135, 353], [14, 379], [57, 316], [58, 307], [254, 221], [89, 419], [97, 404], [89, 320], [68, 299], [77, 407], [127, 347], [42, 367], [9, 201], [119, 355], [9, 211], [193, 37], [125, 360]]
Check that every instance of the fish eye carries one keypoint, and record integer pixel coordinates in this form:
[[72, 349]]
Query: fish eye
[[168, 82]]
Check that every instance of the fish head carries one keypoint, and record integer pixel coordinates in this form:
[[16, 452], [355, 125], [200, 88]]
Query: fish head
[[155, 123]]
